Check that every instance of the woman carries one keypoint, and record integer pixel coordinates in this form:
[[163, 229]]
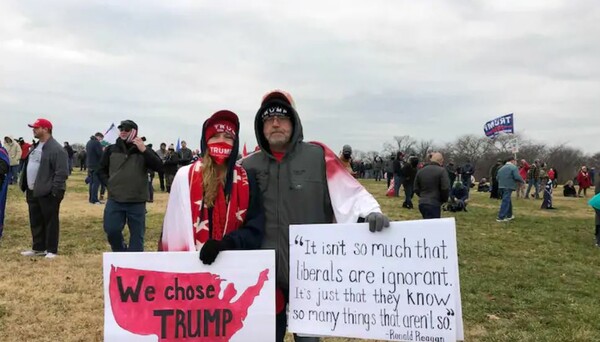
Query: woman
[[523, 170], [214, 203], [584, 180], [569, 189], [547, 186]]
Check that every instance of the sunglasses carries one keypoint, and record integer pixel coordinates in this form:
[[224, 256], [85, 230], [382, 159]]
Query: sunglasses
[[125, 129]]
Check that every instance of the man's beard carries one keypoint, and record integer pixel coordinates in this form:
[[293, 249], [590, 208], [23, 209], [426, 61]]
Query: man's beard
[[278, 140]]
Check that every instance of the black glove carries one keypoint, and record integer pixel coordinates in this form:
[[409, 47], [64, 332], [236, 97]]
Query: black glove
[[377, 221], [210, 250]]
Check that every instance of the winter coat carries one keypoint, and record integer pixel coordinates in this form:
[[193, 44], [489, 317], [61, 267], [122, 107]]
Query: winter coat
[[584, 180], [14, 151]]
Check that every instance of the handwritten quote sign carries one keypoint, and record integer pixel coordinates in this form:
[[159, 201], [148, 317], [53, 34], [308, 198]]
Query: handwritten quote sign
[[174, 297], [400, 284]]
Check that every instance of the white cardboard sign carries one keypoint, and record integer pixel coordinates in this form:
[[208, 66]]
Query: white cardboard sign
[[400, 284]]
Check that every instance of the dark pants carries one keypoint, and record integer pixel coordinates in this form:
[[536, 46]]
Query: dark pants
[[116, 214], [93, 186], [161, 179], [389, 176], [397, 183], [430, 211], [281, 327], [43, 219], [408, 193], [151, 187], [494, 192]]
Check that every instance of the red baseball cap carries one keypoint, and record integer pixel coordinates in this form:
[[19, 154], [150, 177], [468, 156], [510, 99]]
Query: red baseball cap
[[41, 123]]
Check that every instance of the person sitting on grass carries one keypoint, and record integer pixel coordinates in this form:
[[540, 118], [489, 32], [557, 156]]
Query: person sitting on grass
[[483, 186], [459, 197], [569, 189]]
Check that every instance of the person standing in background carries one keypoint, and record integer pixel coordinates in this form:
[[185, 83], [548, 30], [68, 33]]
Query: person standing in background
[[45, 173], [14, 153]]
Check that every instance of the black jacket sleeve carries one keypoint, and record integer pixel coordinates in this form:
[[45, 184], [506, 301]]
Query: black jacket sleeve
[[251, 234], [444, 187], [3, 171], [103, 169], [153, 161]]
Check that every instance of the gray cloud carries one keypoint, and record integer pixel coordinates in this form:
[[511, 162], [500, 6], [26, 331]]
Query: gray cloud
[[360, 73]]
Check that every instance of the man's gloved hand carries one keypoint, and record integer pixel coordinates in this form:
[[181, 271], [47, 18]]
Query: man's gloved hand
[[210, 250], [377, 221]]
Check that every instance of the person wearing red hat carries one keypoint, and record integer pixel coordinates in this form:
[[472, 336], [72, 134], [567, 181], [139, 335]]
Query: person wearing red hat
[[300, 183], [214, 204], [124, 170], [45, 172]]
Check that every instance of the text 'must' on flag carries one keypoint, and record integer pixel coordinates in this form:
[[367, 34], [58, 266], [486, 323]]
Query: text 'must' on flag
[[502, 124]]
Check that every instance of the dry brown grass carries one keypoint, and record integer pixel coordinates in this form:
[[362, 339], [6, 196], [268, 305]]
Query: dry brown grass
[[62, 300]]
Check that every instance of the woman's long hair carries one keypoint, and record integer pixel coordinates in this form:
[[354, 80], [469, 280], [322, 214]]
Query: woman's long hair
[[212, 176]]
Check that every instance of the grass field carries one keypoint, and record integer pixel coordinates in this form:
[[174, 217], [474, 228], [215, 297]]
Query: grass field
[[534, 279]]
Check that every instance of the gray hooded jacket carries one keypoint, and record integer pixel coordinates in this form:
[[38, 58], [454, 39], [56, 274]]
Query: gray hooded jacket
[[294, 190]]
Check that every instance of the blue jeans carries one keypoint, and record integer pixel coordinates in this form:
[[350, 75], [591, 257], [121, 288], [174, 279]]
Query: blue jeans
[[506, 204], [536, 185], [430, 211], [116, 214], [397, 182], [13, 174], [93, 186]]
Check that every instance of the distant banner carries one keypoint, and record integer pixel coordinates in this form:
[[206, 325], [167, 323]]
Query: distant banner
[[503, 124]]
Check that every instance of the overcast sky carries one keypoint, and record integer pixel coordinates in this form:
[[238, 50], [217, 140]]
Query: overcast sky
[[360, 71]]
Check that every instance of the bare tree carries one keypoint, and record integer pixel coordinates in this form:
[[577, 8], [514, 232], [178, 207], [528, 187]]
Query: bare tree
[[470, 148], [423, 148], [404, 143]]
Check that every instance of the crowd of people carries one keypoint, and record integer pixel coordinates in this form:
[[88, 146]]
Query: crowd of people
[[218, 202]]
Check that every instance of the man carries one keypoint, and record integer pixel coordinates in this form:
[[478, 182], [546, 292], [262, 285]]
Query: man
[[93, 150], [185, 154], [14, 153], [4, 167], [162, 154], [346, 159], [45, 173], [124, 170], [493, 177], [398, 175], [508, 177], [389, 170], [295, 180], [533, 179], [467, 172], [70, 154], [451, 169], [82, 156], [409, 171], [24, 152], [170, 166], [432, 186]]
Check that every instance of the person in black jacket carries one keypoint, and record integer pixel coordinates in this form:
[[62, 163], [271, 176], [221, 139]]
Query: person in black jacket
[[170, 166], [398, 176], [409, 170], [93, 150], [124, 171], [44, 178], [433, 187]]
